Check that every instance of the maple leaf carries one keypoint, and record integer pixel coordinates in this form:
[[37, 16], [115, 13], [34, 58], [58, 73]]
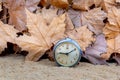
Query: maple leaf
[[42, 35], [112, 28], [31, 5], [94, 51], [7, 34], [82, 35], [112, 33], [60, 3], [49, 17], [16, 9], [113, 47], [94, 19]]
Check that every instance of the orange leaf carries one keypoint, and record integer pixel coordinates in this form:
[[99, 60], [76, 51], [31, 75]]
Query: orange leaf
[[60, 3]]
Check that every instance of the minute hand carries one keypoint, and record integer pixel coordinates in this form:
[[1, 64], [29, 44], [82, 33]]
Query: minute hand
[[70, 51], [67, 52]]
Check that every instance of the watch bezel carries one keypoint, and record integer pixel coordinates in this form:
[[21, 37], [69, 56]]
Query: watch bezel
[[69, 40]]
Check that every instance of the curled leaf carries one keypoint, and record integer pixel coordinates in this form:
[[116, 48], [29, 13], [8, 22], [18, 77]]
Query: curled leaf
[[94, 51], [112, 28], [110, 31]]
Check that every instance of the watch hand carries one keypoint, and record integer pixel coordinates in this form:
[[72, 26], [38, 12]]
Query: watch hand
[[67, 52], [70, 51]]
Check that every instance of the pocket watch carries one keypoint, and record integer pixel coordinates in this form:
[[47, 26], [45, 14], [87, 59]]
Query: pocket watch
[[67, 52]]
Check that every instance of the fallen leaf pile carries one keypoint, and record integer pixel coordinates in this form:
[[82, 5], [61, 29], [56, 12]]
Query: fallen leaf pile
[[36, 25]]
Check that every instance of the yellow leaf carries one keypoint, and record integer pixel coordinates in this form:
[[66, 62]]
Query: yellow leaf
[[42, 35]]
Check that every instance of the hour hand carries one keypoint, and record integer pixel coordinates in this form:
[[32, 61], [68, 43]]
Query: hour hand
[[62, 53]]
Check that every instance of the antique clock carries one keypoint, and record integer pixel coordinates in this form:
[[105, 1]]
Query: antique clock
[[67, 52]]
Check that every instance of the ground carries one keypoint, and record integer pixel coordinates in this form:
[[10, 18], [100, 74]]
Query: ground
[[14, 67]]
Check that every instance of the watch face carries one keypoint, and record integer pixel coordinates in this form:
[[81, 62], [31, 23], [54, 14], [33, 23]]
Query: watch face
[[67, 54]]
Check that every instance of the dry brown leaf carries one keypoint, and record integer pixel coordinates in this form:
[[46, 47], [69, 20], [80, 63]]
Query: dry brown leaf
[[85, 4], [7, 34], [60, 3], [16, 9], [44, 3], [69, 24], [109, 31], [113, 47], [82, 35], [114, 16], [97, 2], [75, 17], [94, 51], [107, 4], [31, 5], [42, 35], [49, 14], [82, 4], [0, 5], [94, 19], [112, 29]]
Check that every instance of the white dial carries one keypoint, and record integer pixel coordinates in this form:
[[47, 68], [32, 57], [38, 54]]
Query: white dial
[[67, 54]]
